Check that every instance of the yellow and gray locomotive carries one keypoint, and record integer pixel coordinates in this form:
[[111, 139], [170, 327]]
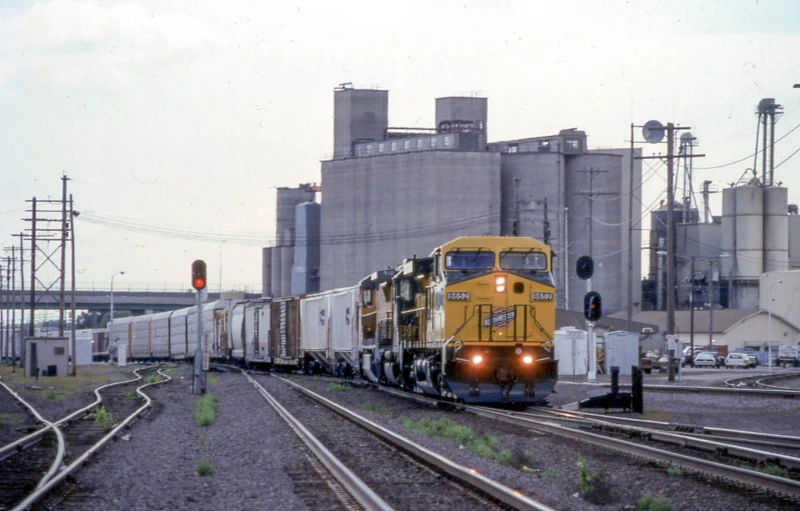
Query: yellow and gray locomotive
[[473, 322]]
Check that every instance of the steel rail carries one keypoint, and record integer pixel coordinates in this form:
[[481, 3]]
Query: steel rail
[[62, 448], [79, 462], [469, 477], [710, 390], [688, 440], [359, 490], [752, 437], [87, 409], [737, 475]]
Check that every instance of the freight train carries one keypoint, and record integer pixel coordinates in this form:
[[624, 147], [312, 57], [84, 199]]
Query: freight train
[[474, 322]]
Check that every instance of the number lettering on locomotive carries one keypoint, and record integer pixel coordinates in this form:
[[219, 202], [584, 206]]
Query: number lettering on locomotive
[[541, 297], [458, 295]]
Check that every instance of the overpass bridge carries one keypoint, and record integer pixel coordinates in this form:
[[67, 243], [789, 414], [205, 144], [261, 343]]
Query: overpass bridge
[[100, 299]]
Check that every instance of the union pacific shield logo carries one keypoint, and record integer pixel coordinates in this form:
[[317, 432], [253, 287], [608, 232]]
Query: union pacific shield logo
[[500, 318]]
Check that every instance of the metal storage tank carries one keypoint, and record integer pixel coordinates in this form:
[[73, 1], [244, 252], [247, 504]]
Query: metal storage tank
[[305, 277], [776, 229], [266, 271], [287, 258], [275, 272], [749, 233]]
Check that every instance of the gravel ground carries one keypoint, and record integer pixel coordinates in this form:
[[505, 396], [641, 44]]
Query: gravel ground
[[253, 452]]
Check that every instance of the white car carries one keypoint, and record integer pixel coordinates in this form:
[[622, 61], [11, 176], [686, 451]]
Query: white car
[[705, 360], [737, 360]]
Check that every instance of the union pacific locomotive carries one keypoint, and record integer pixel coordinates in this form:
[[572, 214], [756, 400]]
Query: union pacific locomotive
[[473, 322]]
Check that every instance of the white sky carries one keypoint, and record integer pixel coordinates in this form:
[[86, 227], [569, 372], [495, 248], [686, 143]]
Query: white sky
[[186, 114]]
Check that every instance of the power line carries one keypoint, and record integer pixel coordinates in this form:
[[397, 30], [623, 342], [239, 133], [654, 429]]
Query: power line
[[750, 155]]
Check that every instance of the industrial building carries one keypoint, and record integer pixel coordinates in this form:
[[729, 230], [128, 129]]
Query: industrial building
[[394, 192]]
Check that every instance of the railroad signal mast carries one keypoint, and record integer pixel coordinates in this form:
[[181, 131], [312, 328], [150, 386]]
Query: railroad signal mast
[[592, 309], [199, 283]]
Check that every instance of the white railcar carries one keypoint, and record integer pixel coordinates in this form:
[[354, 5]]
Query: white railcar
[[329, 329], [257, 333], [178, 335], [159, 334], [236, 333]]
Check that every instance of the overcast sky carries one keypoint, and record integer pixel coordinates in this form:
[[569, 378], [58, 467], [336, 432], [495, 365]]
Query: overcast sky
[[183, 116]]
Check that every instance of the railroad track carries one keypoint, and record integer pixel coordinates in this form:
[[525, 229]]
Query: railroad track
[[67, 443], [395, 467], [721, 434], [750, 480]]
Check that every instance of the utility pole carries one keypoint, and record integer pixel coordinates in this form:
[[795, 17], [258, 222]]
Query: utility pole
[[631, 266], [61, 301], [41, 237], [72, 216], [516, 222], [691, 315], [591, 196]]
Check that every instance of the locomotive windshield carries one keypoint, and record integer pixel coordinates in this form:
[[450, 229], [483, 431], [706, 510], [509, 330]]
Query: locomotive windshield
[[469, 260], [523, 261]]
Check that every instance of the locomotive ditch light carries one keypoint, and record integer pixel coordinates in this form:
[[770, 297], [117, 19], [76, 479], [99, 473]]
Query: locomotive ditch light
[[527, 359], [500, 283], [477, 359]]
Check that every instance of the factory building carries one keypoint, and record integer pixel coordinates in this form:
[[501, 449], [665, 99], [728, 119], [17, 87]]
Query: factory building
[[396, 192], [730, 253]]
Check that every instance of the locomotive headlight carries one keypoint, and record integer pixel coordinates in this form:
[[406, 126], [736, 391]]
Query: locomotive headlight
[[527, 359], [477, 359], [500, 284]]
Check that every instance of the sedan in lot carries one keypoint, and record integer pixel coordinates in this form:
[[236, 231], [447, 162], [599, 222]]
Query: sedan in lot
[[737, 360], [705, 360]]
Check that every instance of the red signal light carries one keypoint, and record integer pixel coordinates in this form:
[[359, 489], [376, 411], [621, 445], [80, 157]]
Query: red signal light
[[199, 275]]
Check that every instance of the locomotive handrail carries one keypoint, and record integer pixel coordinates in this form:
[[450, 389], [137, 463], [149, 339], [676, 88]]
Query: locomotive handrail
[[448, 341]]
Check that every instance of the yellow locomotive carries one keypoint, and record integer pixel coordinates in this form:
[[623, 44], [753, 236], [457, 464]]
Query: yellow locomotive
[[473, 322]]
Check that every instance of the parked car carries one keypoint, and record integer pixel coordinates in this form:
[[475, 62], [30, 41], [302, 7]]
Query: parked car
[[706, 359], [688, 354], [751, 354], [737, 359]]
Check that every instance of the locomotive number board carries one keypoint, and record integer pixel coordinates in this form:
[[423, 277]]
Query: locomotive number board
[[541, 297], [459, 295]]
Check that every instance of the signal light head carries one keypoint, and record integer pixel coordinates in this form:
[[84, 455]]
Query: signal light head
[[500, 283], [477, 359], [199, 275]]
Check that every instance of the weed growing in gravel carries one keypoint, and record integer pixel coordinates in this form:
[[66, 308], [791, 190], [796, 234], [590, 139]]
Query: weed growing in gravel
[[594, 487], [205, 411], [650, 502], [775, 470], [204, 468], [212, 379], [549, 473], [130, 395], [202, 440], [379, 409], [480, 444], [102, 417], [338, 387], [583, 475], [674, 471], [153, 379], [51, 395]]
